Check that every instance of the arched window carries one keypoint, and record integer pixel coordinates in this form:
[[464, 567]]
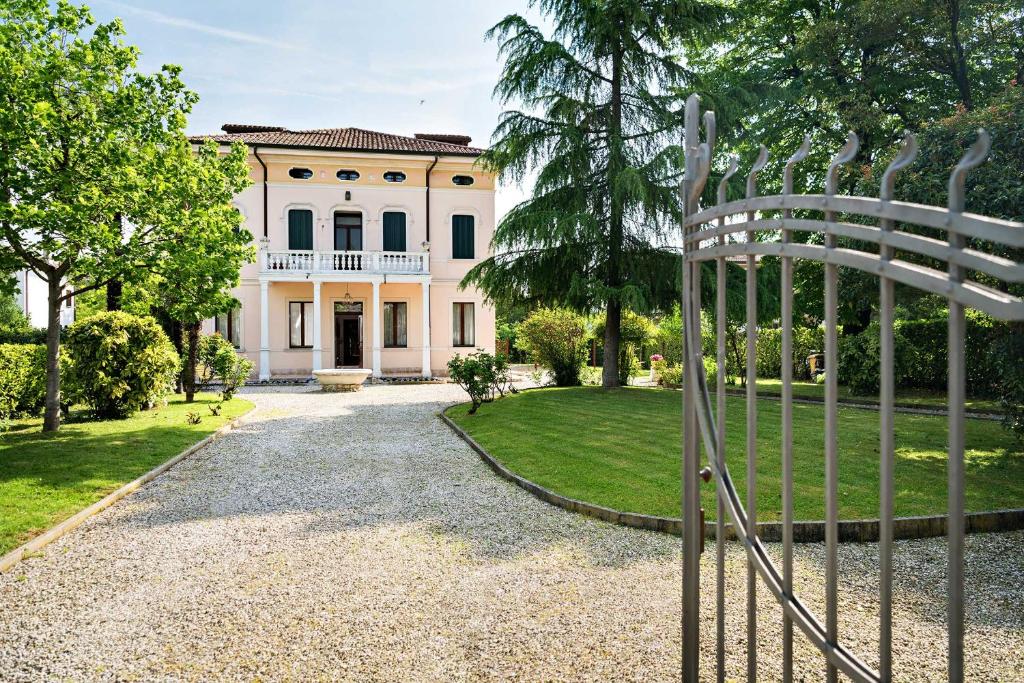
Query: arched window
[[394, 176], [348, 174], [394, 231], [462, 179], [300, 173], [300, 229]]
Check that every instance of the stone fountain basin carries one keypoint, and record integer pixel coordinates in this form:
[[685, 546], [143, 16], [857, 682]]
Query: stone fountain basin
[[342, 379]]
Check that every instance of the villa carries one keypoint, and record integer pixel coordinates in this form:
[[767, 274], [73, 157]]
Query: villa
[[363, 239]]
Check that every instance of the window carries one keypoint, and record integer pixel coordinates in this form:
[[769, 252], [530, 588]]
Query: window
[[348, 174], [395, 325], [462, 325], [300, 173], [462, 237], [462, 179], [229, 326], [348, 231], [300, 229], [394, 176], [394, 231], [300, 324]]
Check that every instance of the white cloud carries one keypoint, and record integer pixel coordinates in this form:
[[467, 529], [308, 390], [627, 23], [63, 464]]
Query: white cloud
[[168, 20]]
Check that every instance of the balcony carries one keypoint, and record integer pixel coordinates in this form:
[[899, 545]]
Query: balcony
[[346, 262]]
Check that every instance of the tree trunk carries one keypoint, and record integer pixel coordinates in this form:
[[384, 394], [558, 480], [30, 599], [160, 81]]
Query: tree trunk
[[963, 82], [192, 351], [51, 414], [114, 290], [612, 320], [613, 317]]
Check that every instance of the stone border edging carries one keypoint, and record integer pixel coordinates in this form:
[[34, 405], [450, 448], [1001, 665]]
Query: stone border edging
[[46, 538], [850, 531]]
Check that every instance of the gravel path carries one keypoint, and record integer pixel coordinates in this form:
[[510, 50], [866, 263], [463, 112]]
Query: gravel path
[[354, 537]]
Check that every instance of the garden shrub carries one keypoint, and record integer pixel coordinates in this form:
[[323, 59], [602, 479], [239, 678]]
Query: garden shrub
[[218, 360], [557, 339], [119, 363], [672, 377], [920, 359], [480, 375], [22, 380], [806, 340]]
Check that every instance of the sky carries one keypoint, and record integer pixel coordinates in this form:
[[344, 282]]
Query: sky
[[397, 66]]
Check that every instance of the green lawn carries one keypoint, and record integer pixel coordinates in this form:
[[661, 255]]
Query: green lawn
[[621, 449], [46, 478], [912, 397]]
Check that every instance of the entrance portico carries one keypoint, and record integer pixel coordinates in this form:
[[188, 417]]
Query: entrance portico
[[335, 304]]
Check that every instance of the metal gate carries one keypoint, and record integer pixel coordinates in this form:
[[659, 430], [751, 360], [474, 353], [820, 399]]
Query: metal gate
[[711, 234]]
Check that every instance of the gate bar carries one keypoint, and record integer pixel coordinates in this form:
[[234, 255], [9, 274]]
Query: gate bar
[[720, 361], [845, 155], [886, 409], [787, 415], [759, 163]]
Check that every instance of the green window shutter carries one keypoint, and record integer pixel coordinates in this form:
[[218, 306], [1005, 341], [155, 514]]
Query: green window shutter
[[394, 231], [462, 237], [300, 229]]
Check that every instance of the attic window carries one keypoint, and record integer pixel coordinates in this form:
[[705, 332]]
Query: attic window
[[300, 173], [348, 174], [462, 179], [394, 176]]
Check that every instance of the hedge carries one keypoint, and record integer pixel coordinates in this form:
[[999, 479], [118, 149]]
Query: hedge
[[22, 380], [920, 356]]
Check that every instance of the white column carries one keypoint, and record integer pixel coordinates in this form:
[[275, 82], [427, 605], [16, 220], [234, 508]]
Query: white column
[[377, 327], [264, 330], [318, 352], [426, 329]]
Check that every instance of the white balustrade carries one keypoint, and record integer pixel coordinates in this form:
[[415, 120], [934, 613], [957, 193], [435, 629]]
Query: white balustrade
[[369, 262]]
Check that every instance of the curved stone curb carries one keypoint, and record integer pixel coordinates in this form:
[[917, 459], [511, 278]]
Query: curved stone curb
[[39, 542], [850, 531]]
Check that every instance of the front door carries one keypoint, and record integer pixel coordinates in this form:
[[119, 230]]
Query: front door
[[348, 335]]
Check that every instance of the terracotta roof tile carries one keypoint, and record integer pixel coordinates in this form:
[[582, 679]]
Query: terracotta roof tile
[[341, 139]]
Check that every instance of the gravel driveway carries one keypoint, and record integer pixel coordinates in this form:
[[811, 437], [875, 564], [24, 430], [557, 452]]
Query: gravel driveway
[[354, 537]]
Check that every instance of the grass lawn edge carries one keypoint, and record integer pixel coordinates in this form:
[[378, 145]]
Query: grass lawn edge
[[804, 531], [36, 544]]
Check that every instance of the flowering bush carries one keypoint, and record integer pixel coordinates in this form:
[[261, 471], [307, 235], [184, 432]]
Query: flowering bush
[[657, 357]]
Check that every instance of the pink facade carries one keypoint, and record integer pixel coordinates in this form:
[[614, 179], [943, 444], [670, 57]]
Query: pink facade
[[346, 302]]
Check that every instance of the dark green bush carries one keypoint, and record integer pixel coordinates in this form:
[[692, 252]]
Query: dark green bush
[[119, 363], [557, 339], [22, 380], [920, 356]]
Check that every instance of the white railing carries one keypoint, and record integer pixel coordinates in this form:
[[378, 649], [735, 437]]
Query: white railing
[[370, 262]]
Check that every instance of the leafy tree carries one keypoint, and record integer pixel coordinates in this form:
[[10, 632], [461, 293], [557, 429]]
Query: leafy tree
[[76, 124], [600, 112], [876, 67], [200, 265], [14, 324]]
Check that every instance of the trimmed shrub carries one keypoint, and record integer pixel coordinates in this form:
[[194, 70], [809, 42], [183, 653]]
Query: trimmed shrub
[[22, 380], [481, 375], [119, 363], [557, 339], [219, 361]]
